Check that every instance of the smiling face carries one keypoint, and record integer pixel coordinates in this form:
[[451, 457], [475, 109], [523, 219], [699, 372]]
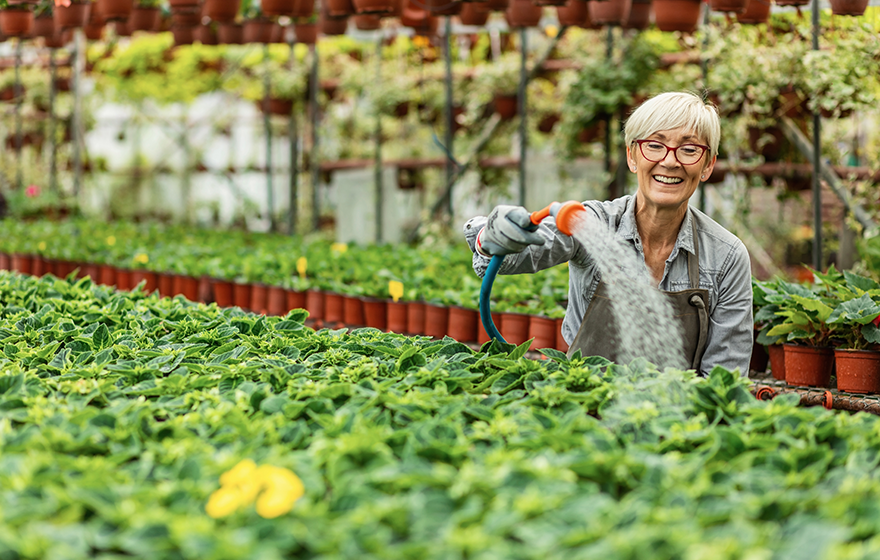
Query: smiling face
[[667, 184]]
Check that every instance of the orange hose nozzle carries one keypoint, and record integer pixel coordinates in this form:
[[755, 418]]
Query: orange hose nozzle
[[565, 213]]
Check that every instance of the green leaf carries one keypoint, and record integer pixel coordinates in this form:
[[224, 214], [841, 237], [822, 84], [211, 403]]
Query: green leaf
[[101, 337], [520, 350]]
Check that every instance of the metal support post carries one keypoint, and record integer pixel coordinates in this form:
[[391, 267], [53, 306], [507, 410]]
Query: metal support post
[[609, 54], [523, 121], [19, 99], [293, 135], [78, 52], [817, 158], [267, 125], [377, 169], [450, 124], [704, 66], [53, 141], [314, 163]]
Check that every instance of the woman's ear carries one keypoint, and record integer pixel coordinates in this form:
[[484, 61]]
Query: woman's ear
[[707, 171], [629, 159]]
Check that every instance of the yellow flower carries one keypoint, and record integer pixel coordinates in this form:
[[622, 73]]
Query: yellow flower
[[551, 31], [339, 247], [242, 472], [282, 489], [141, 258], [41, 246], [302, 264], [395, 289], [223, 502], [111, 240], [420, 41]]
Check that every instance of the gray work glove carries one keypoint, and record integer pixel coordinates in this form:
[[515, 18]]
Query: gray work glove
[[506, 232]]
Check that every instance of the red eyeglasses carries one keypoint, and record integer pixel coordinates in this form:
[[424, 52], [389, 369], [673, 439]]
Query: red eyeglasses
[[686, 154]]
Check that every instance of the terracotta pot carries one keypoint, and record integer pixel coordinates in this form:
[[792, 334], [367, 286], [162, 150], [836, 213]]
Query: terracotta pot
[[147, 277], [858, 371], [543, 331], [315, 304], [353, 311], [259, 298], [637, 16], [276, 301], [294, 300], [443, 7], [334, 309], [226, 10], [677, 15], [277, 7], [523, 13], [396, 314], [729, 6], [82, 270], [333, 26], [241, 295], [303, 8], [189, 18], [230, 33], [166, 284], [206, 289], [561, 344], [367, 22], [93, 31], [306, 33], [257, 31], [505, 105], [436, 320], [123, 280], [107, 275], [808, 366], [115, 10], [339, 8], [463, 324], [848, 8], [224, 294], [415, 317], [63, 269], [207, 35], [68, 17], [23, 264], [187, 286], [475, 13], [175, 4], [759, 359], [792, 2], [482, 335], [607, 12], [376, 7], [39, 266], [420, 20], [498, 5], [549, 3], [184, 35], [16, 22], [375, 313], [574, 13], [757, 11], [44, 26], [144, 19], [515, 327], [92, 271], [5, 262]]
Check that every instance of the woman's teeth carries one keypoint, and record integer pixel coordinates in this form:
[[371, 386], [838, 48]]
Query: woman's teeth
[[668, 180]]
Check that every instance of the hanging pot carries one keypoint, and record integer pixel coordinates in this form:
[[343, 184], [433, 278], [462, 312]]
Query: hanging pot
[[183, 35], [638, 15], [443, 7], [729, 6], [259, 301], [550, 3], [808, 366], [497, 5], [574, 13], [523, 13], [230, 33], [115, 10], [176, 4], [186, 18], [421, 21], [144, 19], [463, 324], [767, 142], [396, 313], [436, 320], [677, 15], [375, 7], [44, 26], [306, 33], [375, 313], [303, 8], [848, 7], [505, 105], [339, 8], [792, 2], [607, 12], [757, 11], [367, 22], [858, 371], [16, 22], [68, 17], [415, 318], [280, 107], [226, 10], [543, 331], [333, 26], [241, 295], [277, 7], [207, 35], [315, 305], [257, 31], [474, 13]]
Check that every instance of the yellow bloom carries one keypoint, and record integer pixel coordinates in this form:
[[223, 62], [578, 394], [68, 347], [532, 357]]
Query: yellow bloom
[[302, 264], [551, 31], [223, 502], [395, 289], [273, 504], [41, 246], [242, 472], [339, 247], [111, 240], [141, 258]]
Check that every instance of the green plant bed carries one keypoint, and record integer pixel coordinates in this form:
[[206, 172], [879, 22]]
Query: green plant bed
[[130, 423]]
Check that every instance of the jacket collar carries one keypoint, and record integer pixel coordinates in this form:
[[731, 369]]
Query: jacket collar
[[627, 229]]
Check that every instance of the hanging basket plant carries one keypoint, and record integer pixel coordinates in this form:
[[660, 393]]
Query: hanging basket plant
[[44, 25], [16, 21], [848, 7], [677, 15], [574, 13], [638, 16], [523, 13], [340, 8], [223, 10], [607, 12], [74, 15], [474, 13], [332, 26], [756, 12], [418, 19]]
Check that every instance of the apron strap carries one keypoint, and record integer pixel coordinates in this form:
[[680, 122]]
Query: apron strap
[[694, 258]]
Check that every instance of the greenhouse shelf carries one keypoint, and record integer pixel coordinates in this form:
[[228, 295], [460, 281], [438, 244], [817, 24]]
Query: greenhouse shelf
[[767, 388]]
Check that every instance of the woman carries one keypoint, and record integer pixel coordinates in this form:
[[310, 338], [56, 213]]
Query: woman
[[702, 269]]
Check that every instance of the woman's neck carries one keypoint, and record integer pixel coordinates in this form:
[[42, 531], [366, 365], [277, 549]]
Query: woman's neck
[[658, 226]]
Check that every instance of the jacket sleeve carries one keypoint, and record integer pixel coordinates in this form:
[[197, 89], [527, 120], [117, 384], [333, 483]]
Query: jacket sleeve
[[731, 328], [557, 249]]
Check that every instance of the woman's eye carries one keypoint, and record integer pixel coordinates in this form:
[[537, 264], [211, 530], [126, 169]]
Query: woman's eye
[[689, 150], [655, 146]]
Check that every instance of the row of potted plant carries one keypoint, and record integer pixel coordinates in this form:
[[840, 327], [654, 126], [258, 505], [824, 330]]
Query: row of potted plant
[[815, 330]]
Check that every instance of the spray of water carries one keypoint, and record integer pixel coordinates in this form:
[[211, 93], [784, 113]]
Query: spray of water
[[645, 324]]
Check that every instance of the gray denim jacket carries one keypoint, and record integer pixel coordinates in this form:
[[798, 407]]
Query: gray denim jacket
[[725, 271]]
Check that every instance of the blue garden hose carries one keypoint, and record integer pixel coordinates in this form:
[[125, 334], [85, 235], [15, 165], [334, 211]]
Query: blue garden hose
[[485, 295]]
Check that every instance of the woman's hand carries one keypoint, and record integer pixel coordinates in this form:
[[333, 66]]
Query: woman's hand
[[509, 230]]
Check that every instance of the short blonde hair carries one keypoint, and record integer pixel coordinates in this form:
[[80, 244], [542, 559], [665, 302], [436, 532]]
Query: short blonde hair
[[675, 109]]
